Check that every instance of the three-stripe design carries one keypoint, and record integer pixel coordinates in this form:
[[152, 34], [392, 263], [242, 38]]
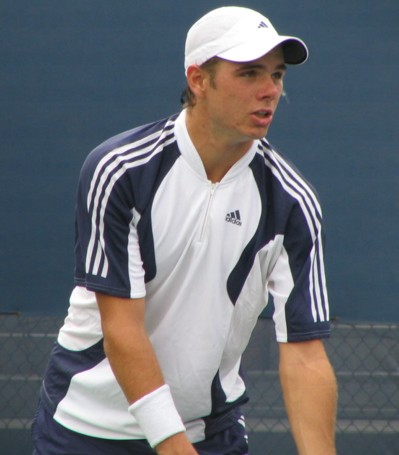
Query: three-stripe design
[[108, 171], [299, 189], [234, 217], [118, 161]]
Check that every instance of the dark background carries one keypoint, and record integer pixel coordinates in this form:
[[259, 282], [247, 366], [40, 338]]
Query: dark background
[[73, 73]]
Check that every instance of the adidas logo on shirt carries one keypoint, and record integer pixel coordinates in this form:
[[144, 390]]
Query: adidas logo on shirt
[[234, 218]]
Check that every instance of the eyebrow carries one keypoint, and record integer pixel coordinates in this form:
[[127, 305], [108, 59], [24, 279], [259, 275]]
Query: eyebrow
[[249, 66]]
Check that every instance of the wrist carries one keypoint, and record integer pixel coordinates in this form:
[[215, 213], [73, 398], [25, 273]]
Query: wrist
[[177, 444], [157, 415]]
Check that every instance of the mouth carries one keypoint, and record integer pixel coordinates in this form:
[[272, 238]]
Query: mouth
[[263, 113], [262, 117]]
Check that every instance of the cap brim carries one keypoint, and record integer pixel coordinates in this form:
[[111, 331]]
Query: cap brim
[[294, 49]]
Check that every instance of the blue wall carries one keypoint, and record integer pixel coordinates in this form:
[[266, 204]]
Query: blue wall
[[76, 72]]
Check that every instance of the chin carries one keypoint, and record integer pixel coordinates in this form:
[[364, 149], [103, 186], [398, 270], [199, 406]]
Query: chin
[[259, 135], [253, 134], [259, 132]]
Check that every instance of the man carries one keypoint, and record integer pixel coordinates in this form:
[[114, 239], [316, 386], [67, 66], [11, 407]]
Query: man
[[183, 228]]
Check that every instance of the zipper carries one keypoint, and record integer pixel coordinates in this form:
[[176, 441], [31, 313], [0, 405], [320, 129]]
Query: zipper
[[208, 209]]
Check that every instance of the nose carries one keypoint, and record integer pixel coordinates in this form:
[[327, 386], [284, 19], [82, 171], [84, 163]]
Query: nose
[[269, 88]]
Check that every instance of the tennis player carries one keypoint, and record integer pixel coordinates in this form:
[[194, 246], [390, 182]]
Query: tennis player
[[183, 228]]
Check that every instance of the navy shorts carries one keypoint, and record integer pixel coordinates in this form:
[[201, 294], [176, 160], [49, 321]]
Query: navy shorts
[[51, 438]]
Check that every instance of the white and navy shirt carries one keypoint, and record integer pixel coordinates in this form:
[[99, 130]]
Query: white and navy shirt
[[205, 256]]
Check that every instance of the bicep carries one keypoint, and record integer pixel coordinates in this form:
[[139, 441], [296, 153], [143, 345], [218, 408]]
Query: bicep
[[306, 363], [128, 347], [302, 352], [119, 314]]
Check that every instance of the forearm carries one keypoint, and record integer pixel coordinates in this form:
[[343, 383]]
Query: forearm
[[148, 377], [133, 362], [310, 394], [136, 368]]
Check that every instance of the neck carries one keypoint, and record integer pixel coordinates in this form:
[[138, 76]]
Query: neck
[[218, 153]]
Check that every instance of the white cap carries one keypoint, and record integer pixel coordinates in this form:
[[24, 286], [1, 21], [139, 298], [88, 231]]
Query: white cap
[[238, 34]]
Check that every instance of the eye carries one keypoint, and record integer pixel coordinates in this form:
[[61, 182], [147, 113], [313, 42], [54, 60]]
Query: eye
[[249, 73], [278, 75]]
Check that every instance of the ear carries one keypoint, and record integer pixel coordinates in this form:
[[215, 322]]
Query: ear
[[197, 80]]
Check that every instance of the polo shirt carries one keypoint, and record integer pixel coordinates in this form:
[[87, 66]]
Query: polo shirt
[[206, 257]]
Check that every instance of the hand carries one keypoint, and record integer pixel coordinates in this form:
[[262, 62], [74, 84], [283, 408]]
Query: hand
[[177, 444]]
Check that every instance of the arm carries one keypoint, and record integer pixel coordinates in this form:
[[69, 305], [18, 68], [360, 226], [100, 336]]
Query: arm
[[310, 395], [133, 359]]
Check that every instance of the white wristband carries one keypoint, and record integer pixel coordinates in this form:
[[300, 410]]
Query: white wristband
[[157, 415]]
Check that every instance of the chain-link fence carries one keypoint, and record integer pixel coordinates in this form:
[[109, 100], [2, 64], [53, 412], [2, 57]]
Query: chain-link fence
[[366, 362], [365, 358]]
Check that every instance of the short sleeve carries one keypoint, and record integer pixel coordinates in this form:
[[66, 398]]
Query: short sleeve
[[298, 284], [106, 242]]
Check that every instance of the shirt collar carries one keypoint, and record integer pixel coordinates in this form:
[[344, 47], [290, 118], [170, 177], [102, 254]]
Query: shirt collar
[[191, 156]]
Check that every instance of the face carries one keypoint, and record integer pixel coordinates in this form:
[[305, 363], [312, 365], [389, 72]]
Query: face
[[240, 99]]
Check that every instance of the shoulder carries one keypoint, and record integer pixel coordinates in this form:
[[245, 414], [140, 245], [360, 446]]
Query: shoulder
[[288, 177], [132, 144], [129, 161], [283, 168], [292, 198]]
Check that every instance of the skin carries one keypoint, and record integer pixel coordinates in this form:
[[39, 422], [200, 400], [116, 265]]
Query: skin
[[234, 105], [310, 395], [133, 359]]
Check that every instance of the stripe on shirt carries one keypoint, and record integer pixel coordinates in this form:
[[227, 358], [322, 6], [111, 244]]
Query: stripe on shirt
[[108, 171], [299, 189]]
